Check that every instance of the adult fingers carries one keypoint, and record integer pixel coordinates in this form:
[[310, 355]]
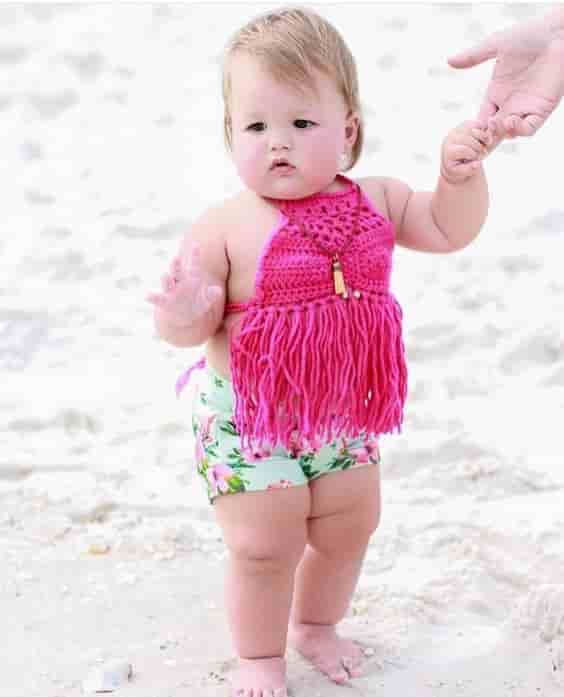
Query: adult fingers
[[483, 51], [523, 126]]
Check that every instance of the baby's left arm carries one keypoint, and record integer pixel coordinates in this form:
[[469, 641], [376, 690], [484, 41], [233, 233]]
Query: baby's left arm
[[451, 216]]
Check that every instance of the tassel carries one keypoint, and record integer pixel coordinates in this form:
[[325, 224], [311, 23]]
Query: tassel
[[307, 374], [338, 277]]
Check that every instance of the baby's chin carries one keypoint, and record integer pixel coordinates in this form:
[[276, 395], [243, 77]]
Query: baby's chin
[[290, 185]]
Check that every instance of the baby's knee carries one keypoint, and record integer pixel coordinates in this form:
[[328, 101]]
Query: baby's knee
[[264, 553], [344, 534], [265, 529]]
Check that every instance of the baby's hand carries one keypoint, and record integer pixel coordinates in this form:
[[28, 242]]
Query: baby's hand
[[463, 150], [188, 292]]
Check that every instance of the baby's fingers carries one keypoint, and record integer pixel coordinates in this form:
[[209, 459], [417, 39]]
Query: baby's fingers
[[191, 258], [156, 299], [479, 141], [176, 269], [462, 153], [484, 137], [463, 170], [160, 299], [167, 282]]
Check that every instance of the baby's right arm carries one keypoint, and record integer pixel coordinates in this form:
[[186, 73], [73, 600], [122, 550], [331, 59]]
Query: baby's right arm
[[189, 310]]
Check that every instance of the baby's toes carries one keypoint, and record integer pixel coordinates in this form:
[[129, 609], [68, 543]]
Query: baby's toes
[[337, 674], [353, 665]]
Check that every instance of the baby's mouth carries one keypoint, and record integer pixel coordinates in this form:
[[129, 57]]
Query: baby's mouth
[[281, 164]]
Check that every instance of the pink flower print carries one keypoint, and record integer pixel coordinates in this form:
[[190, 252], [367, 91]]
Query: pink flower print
[[255, 453], [207, 422], [199, 451], [365, 453], [203, 437], [282, 484], [294, 450], [218, 478]]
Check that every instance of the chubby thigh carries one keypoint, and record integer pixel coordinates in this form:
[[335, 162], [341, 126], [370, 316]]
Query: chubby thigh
[[335, 515], [345, 509]]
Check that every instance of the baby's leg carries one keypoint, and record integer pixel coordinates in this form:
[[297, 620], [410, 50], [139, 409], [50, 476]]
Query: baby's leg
[[265, 532], [345, 511]]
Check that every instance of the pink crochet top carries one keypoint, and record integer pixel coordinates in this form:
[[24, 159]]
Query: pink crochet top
[[320, 352]]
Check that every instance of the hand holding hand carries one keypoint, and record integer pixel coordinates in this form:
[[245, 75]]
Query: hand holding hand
[[528, 77], [463, 150], [187, 291]]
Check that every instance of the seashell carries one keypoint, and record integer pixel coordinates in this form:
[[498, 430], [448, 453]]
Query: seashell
[[108, 677], [98, 548]]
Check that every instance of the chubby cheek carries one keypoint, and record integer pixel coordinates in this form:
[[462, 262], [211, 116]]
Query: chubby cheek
[[324, 148], [250, 162]]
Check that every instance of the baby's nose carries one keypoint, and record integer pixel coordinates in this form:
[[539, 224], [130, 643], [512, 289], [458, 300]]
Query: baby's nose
[[279, 146], [280, 141]]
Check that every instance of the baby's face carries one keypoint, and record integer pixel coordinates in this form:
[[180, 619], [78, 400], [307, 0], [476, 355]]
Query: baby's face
[[271, 120]]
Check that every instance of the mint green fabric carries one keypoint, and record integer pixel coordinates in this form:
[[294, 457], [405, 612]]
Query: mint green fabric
[[225, 469]]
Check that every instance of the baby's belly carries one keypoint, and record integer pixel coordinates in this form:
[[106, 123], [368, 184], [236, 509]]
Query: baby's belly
[[217, 349]]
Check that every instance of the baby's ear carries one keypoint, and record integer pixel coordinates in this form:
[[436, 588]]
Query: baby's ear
[[352, 126]]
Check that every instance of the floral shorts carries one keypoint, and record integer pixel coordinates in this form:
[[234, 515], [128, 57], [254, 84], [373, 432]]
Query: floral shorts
[[225, 469]]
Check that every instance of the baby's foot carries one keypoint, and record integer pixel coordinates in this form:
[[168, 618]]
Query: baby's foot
[[260, 677], [340, 659]]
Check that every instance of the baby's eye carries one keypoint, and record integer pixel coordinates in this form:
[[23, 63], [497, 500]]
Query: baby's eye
[[303, 123], [259, 126]]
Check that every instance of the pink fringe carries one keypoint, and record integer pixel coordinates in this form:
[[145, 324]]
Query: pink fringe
[[309, 373]]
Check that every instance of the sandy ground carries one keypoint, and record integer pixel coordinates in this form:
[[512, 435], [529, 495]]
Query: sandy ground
[[110, 133]]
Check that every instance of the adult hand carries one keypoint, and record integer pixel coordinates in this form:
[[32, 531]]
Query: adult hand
[[528, 77]]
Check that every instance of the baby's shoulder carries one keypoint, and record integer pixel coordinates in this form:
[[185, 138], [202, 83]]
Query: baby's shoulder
[[374, 188], [230, 213], [389, 195]]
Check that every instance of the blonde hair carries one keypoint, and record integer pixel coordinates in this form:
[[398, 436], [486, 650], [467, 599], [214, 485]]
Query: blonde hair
[[291, 41]]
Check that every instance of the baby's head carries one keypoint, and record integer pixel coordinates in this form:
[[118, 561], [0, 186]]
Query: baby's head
[[290, 90]]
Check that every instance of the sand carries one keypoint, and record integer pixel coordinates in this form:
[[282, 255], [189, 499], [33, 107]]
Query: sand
[[111, 144]]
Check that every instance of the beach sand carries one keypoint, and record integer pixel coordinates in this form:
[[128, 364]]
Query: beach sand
[[111, 144]]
